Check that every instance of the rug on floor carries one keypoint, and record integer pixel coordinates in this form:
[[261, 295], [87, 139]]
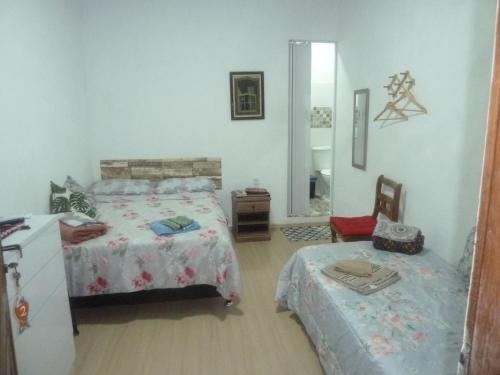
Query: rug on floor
[[307, 232]]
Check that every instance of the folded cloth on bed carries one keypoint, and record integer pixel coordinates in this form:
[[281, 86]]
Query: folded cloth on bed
[[183, 221], [171, 224], [81, 233], [380, 278], [355, 267], [164, 230], [177, 222], [78, 219]]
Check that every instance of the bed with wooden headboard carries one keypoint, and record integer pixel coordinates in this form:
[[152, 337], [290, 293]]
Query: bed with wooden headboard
[[131, 257]]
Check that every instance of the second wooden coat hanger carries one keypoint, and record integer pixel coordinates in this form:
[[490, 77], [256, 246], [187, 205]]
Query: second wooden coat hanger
[[391, 112], [410, 99]]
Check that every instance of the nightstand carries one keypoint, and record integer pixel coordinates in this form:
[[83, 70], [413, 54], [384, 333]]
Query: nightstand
[[251, 216]]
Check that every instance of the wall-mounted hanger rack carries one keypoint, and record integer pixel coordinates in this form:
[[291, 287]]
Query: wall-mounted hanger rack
[[403, 100], [393, 86]]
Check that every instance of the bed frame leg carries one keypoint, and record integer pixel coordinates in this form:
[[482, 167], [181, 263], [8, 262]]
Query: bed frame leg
[[76, 332], [228, 302]]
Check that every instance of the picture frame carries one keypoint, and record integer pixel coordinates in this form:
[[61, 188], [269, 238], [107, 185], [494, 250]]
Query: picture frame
[[247, 95], [360, 128]]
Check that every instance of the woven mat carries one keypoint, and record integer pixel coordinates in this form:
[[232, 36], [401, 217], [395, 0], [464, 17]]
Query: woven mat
[[307, 233]]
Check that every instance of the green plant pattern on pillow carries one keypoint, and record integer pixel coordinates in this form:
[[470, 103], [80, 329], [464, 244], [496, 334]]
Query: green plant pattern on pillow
[[91, 212], [64, 200], [79, 202], [59, 201], [56, 189], [59, 204]]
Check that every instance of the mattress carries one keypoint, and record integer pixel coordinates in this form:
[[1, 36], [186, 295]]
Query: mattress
[[414, 326], [131, 257]]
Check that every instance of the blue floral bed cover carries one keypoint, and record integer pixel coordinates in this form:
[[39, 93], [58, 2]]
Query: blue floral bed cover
[[414, 326]]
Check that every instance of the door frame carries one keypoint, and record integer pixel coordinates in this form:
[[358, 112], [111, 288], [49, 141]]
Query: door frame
[[308, 218], [482, 327]]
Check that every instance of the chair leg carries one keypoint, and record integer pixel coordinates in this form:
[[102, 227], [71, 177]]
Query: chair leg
[[334, 235]]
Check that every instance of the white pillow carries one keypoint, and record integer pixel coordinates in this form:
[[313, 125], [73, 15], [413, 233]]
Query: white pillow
[[185, 184], [121, 187]]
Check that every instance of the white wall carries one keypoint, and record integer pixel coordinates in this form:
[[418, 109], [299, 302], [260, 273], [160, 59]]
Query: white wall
[[447, 46], [158, 74], [322, 87], [43, 134], [157, 77], [322, 74]]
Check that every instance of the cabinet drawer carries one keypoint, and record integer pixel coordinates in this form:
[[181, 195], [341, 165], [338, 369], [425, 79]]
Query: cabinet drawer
[[47, 348], [39, 290], [253, 206], [35, 256]]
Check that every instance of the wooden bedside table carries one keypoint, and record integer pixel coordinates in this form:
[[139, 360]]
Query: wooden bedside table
[[251, 216]]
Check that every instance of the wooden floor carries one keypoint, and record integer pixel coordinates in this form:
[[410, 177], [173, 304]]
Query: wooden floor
[[202, 336]]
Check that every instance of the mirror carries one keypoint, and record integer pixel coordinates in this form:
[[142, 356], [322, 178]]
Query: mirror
[[311, 128], [360, 128]]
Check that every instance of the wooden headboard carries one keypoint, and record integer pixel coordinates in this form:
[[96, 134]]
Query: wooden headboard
[[158, 169]]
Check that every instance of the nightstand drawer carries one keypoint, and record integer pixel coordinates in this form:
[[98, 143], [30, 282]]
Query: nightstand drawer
[[253, 207]]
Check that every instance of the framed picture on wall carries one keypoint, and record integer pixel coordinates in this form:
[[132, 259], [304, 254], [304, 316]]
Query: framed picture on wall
[[247, 95]]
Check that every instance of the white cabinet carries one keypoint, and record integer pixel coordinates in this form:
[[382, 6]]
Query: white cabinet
[[46, 347]]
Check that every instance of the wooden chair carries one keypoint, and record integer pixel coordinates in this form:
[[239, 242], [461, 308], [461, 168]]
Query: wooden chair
[[361, 228]]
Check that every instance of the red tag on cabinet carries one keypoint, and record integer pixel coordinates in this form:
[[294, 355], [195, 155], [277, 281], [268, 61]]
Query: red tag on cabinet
[[22, 310]]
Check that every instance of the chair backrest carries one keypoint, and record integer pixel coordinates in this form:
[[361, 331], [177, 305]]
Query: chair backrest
[[389, 206]]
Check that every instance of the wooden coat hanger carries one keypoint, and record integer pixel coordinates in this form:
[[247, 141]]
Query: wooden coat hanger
[[410, 99], [391, 112], [405, 76]]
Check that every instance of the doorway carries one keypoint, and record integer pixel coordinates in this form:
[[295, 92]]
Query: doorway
[[311, 127]]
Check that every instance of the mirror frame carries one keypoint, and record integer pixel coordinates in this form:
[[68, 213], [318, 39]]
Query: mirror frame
[[355, 124]]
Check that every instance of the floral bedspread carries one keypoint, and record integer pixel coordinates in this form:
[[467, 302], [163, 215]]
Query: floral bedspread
[[130, 257], [414, 326]]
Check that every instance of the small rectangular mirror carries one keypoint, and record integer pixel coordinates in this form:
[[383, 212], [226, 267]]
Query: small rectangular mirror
[[360, 128]]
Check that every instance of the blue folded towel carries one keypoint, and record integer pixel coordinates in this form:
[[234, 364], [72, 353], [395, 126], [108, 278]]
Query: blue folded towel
[[163, 230]]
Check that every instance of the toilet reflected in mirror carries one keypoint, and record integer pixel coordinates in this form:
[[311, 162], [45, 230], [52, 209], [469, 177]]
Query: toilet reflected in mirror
[[321, 177]]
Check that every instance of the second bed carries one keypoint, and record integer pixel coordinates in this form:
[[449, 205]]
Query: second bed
[[413, 326]]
